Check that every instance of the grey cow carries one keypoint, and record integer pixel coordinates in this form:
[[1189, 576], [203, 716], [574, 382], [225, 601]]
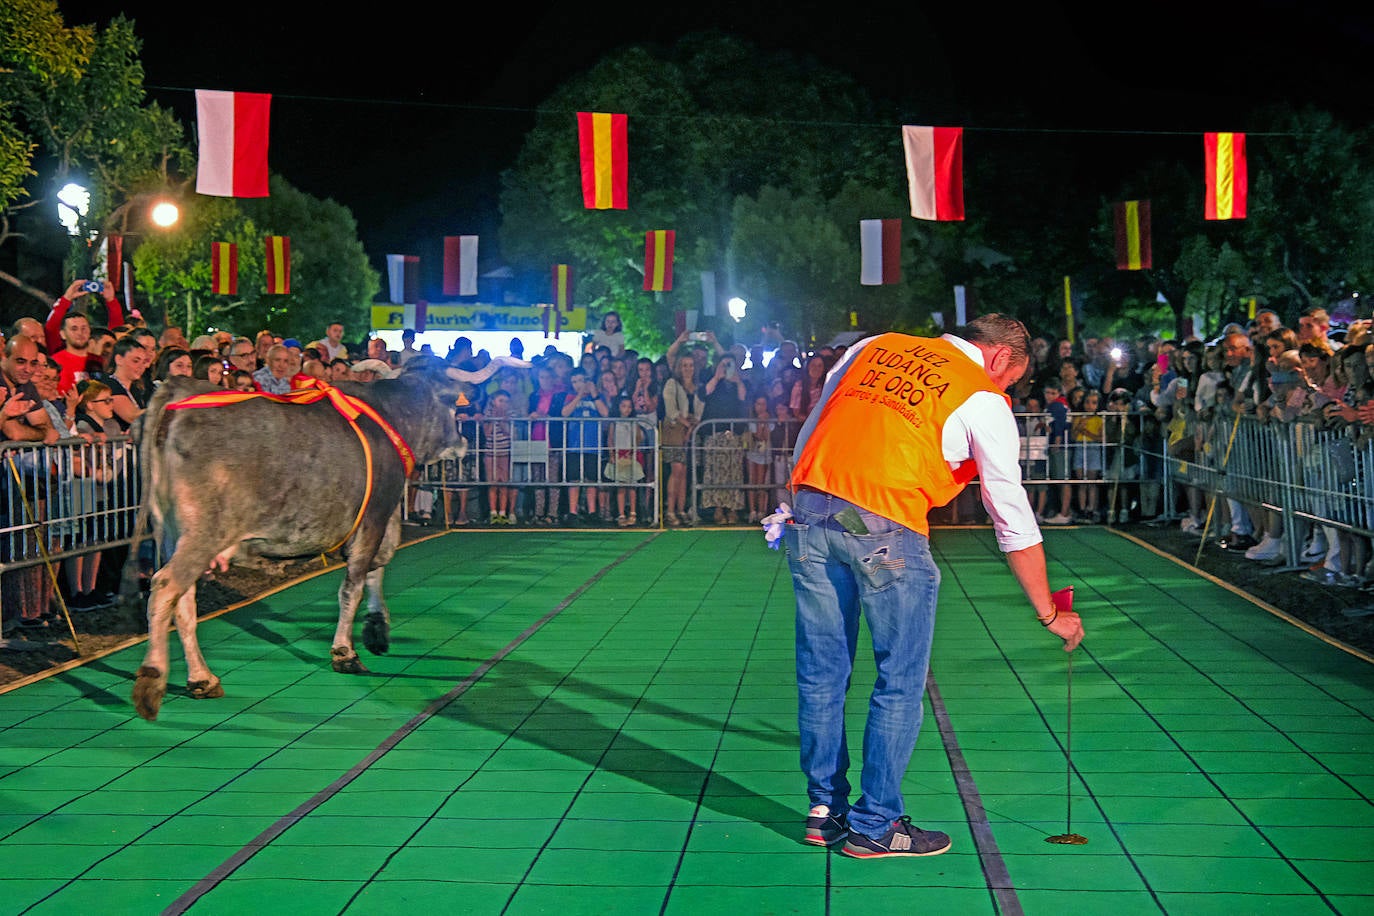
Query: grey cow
[[284, 480]]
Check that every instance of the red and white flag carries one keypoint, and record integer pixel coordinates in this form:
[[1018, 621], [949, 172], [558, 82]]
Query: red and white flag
[[880, 246], [460, 265], [224, 268], [403, 278], [935, 171], [233, 128]]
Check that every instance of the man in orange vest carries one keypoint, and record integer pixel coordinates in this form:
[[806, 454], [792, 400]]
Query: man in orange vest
[[903, 424]]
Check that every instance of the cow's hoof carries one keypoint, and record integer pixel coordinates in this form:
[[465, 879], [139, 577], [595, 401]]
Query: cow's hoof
[[204, 690], [347, 662], [376, 634], [150, 686]]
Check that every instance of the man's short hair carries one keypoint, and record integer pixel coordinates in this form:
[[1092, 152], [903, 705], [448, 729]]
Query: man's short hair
[[997, 330]]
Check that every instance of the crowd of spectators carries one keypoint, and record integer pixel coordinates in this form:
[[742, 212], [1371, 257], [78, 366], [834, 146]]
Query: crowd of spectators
[[1122, 419], [572, 441]]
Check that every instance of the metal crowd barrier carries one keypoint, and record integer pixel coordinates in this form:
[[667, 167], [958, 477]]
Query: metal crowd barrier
[[542, 462], [1308, 474], [66, 499]]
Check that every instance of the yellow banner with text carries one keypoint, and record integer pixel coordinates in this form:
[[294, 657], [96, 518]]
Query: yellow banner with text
[[470, 318]]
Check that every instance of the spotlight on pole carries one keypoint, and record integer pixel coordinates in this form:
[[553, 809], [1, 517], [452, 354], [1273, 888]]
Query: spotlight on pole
[[737, 306]]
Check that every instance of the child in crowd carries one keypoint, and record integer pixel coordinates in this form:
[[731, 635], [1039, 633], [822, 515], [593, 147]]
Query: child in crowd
[[496, 437], [758, 460], [582, 444], [624, 438], [1060, 427], [1087, 438], [1035, 433]]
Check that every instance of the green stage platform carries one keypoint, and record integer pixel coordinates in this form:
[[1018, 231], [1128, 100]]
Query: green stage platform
[[604, 722]]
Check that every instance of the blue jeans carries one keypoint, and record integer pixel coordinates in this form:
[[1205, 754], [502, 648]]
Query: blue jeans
[[889, 576]]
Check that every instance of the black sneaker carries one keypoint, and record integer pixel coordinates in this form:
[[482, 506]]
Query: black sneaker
[[824, 828], [901, 839]]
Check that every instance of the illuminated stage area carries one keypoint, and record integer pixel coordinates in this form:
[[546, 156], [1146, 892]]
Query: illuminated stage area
[[605, 721]]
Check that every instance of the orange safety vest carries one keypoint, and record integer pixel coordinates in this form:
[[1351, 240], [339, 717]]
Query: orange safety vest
[[877, 441]]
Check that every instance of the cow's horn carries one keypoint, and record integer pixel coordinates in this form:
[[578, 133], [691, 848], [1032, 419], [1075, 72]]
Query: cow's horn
[[487, 371]]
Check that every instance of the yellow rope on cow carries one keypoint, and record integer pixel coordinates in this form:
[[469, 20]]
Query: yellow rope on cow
[[367, 489]]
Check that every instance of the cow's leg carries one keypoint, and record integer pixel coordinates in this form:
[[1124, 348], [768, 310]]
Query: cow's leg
[[377, 624], [201, 682], [150, 685], [342, 655], [369, 550]]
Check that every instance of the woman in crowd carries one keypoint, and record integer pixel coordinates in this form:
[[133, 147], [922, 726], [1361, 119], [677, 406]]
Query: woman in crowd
[[130, 360], [723, 450], [172, 361], [610, 335], [683, 404], [209, 368], [806, 391]]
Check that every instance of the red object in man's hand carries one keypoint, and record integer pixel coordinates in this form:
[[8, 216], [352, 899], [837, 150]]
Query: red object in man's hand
[[1063, 599]]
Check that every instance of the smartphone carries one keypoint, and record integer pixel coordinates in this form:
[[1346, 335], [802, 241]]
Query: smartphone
[[1162, 361], [697, 335]]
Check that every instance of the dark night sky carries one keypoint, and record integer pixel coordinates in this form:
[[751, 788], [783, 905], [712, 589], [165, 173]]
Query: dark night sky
[[409, 121]]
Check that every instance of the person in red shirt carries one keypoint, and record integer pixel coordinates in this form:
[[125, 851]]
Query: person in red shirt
[[67, 334]]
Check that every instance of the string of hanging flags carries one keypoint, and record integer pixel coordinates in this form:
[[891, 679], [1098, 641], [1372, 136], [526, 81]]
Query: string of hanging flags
[[233, 158]]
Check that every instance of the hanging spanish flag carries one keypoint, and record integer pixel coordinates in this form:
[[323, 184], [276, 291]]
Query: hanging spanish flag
[[562, 287], [233, 130], [278, 265], [1132, 219], [658, 259], [1227, 182], [935, 171], [460, 265], [605, 160], [224, 268], [880, 244]]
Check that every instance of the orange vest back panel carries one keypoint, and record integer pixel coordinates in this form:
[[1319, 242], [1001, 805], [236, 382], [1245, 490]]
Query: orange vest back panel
[[877, 441]]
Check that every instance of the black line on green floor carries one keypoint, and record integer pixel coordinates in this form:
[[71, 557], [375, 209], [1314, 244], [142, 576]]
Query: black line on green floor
[[989, 856], [264, 839]]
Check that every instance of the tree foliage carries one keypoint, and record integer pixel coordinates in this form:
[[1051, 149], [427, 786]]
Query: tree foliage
[[331, 279], [705, 121]]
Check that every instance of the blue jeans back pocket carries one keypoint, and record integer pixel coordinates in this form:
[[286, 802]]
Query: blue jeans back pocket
[[881, 557]]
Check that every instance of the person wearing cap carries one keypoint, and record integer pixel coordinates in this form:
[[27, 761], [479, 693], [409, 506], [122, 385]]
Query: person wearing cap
[[369, 370], [902, 425]]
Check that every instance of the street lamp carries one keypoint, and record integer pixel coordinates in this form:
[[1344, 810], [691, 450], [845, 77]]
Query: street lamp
[[737, 307], [73, 203], [164, 214]]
